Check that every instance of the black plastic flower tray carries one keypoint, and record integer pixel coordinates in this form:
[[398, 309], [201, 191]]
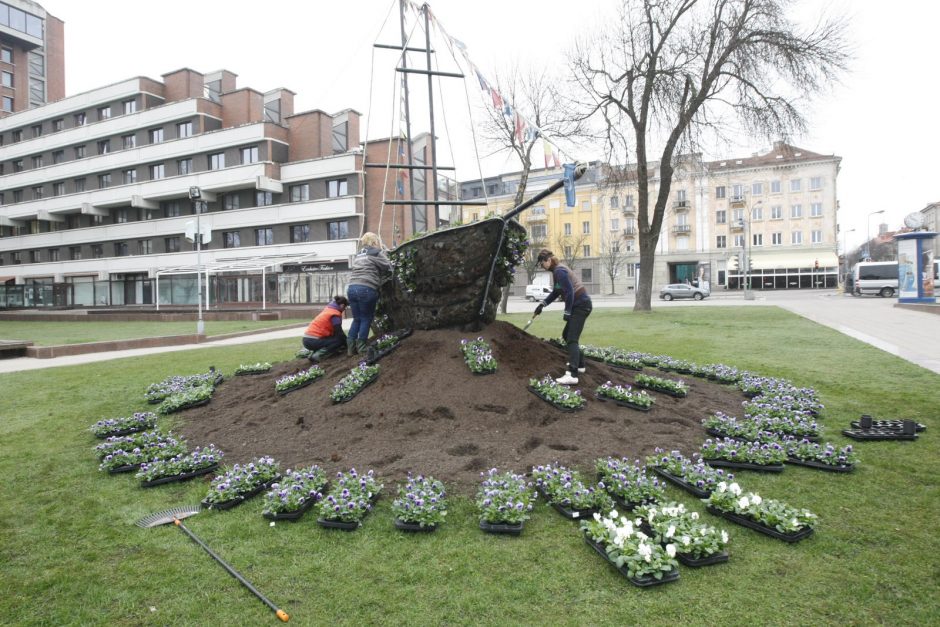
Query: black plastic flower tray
[[724, 463], [507, 529], [682, 483], [291, 516], [572, 514], [554, 404], [642, 582], [122, 469], [122, 432], [370, 381], [180, 477], [625, 367], [342, 525], [253, 373], [811, 463], [414, 527], [238, 500], [204, 401], [617, 401], [483, 374], [877, 434], [671, 393], [695, 562], [297, 387], [895, 425], [795, 536], [721, 434], [630, 505], [156, 401]]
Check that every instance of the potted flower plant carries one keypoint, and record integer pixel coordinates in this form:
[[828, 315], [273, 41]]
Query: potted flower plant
[[187, 398], [241, 482], [628, 482], [200, 461], [692, 475], [638, 557], [565, 491], [251, 369], [478, 356], [729, 453], [678, 389], [354, 382], [697, 544], [624, 396], [421, 504], [157, 392], [125, 459], [556, 395], [622, 359], [297, 380], [349, 500], [504, 501], [110, 427], [822, 456], [296, 492], [768, 516], [384, 345]]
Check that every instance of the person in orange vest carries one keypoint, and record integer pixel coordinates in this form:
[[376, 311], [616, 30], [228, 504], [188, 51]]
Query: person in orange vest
[[324, 335]]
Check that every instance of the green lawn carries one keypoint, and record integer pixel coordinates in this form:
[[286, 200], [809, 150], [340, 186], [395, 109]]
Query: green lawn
[[70, 554], [56, 332]]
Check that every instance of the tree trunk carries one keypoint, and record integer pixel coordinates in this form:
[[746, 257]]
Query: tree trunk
[[644, 288]]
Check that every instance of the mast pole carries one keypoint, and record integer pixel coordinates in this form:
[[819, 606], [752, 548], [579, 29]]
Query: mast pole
[[404, 64], [433, 181]]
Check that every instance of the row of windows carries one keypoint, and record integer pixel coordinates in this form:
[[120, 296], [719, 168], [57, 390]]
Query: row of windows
[[78, 119], [263, 236], [776, 213], [776, 239], [775, 187]]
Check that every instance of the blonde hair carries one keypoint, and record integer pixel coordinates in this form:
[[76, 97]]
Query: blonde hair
[[370, 239]]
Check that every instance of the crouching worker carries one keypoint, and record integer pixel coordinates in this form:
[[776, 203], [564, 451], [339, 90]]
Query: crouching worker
[[324, 336]]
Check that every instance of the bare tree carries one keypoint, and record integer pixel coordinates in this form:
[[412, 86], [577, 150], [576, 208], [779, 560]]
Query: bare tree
[[669, 73], [612, 256], [569, 247], [532, 96]]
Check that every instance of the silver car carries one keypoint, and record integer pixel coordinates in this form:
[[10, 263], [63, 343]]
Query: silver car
[[682, 290]]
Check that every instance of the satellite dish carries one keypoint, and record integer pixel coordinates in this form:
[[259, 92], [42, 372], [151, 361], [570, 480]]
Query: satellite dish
[[914, 220]]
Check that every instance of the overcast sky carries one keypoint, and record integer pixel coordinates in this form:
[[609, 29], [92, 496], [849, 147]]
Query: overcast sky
[[883, 120]]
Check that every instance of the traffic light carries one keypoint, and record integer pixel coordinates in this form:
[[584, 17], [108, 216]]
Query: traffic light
[[733, 262], [816, 265]]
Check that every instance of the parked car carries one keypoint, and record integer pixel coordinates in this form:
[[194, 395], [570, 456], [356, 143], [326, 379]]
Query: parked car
[[537, 292], [682, 290]]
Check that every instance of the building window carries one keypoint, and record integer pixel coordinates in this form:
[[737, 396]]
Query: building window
[[796, 237], [58, 189], [130, 106], [58, 156], [8, 104], [264, 237], [217, 161], [815, 209], [757, 189], [156, 135], [129, 141], [817, 237], [337, 188], [97, 251], [587, 250], [796, 185], [566, 228], [263, 199], [299, 233], [757, 213], [337, 230], [58, 125], [104, 113], [17, 136], [721, 241], [249, 154], [78, 185], [585, 205], [776, 212], [75, 253], [184, 129], [144, 246], [615, 224], [17, 195], [776, 239], [6, 55], [104, 146], [539, 232], [567, 252], [79, 152], [37, 192], [231, 239], [171, 208], [739, 241], [586, 228], [120, 249], [300, 193], [339, 137], [18, 165], [15, 258], [757, 239], [628, 200], [721, 217], [37, 130], [104, 180], [587, 274], [815, 183], [775, 187], [796, 211], [149, 214], [156, 171], [172, 244], [121, 216], [37, 161], [35, 256], [80, 119], [720, 191], [614, 202], [230, 201], [130, 176], [737, 215]]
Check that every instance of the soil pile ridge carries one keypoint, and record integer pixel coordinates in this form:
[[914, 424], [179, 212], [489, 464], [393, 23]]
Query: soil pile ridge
[[428, 414]]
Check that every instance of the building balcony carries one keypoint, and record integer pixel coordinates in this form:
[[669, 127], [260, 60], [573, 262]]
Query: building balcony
[[737, 225], [681, 229], [681, 205], [628, 211], [737, 201], [629, 231], [536, 217]]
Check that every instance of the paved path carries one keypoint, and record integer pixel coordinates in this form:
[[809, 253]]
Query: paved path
[[911, 335]]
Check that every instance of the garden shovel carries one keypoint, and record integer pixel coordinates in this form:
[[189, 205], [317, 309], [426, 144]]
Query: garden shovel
[[529, 323], [175, 516]]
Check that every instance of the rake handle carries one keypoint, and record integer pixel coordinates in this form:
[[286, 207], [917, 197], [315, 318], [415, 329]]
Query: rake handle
[[281, 614]]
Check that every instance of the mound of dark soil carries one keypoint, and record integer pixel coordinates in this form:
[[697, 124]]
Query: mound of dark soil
[[428, 414]]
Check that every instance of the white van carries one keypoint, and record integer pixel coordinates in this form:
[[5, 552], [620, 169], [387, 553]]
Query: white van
[[540, 287], [875, 277]]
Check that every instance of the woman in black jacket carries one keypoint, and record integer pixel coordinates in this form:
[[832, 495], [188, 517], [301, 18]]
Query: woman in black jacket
[[369, 270]]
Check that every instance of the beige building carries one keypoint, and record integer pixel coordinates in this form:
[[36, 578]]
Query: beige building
[[773, 212]]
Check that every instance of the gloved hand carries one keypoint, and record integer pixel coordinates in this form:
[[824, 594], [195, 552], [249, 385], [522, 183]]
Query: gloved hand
[[538, 310], [566, 316]]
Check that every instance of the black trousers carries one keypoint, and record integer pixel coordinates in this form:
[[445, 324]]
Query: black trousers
[[572, 335], [334, 342]]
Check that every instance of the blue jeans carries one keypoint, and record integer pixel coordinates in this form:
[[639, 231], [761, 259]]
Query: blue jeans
[[362, 301]]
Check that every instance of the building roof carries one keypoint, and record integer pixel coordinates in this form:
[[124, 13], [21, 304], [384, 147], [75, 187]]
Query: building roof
[[781, 152]]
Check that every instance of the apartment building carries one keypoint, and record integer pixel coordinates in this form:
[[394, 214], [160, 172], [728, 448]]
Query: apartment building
[[32, 48], [97, 195], [773, 212]]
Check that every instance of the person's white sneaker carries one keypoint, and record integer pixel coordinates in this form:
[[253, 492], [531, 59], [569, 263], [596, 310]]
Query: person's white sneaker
[[580, 370], [567, 379]]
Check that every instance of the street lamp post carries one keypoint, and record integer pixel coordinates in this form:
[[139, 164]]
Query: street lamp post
[[748, 294], [194, 196], [868, 233]]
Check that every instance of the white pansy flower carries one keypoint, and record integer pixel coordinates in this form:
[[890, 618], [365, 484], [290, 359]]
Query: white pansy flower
[[614, 514], [686, 540], [694, 515], [671, 550], [724, 536], [743, 503], [756, 499], [735, 489], [597, 516], [722, 486], [671, 531]]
